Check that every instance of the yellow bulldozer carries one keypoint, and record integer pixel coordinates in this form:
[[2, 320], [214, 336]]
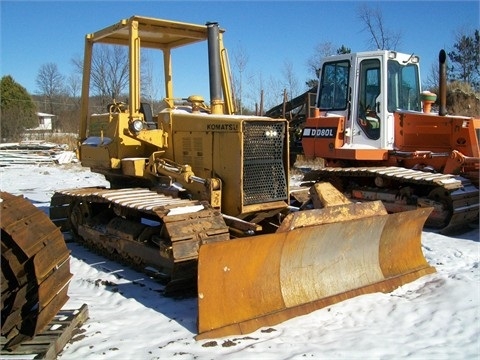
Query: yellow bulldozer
[[200, 198]]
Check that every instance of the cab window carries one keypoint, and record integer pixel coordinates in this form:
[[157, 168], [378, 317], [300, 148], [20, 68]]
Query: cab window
[[368, 93], [403, 87], [333, 94]]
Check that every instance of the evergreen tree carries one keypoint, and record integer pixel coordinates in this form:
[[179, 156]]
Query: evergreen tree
[[17, 110], [343, 50], [465, 59]]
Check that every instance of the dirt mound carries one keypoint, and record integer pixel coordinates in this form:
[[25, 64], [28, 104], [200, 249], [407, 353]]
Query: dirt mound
[[460, 102]]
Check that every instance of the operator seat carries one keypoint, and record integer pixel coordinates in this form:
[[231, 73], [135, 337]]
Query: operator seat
[[370, 123], [146, 110]]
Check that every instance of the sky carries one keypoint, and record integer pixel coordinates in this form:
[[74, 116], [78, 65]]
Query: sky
[[270, 33]]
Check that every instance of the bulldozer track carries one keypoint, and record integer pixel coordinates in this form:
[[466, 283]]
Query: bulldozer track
[[150, 232], [458, 196], [35, 270]]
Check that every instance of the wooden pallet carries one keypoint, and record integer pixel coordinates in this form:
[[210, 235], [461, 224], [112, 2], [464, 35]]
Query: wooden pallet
[[50, 342]]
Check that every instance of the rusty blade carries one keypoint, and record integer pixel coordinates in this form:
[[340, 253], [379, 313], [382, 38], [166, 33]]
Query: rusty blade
[[261, 281]]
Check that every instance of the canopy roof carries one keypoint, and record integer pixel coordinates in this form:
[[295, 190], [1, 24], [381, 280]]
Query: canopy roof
[[154, 33]]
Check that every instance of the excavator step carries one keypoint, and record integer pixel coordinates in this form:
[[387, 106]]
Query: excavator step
[[51, 341]]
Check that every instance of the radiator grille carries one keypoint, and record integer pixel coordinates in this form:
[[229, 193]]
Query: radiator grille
[[264, 177]]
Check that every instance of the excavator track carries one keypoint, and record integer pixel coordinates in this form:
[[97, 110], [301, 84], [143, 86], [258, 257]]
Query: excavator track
[[455, 199], [148, 231], [35, 270]]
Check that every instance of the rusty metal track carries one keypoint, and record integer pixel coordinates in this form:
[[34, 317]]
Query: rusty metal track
[[141, 228], [49, 342], [35, 270], [446, 181], [458, 196], [133, 198]]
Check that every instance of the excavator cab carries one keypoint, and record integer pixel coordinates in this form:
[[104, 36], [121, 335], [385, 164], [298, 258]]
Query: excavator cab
[[362, 91]]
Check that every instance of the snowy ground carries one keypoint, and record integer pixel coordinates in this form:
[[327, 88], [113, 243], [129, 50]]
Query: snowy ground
[[435, 317]]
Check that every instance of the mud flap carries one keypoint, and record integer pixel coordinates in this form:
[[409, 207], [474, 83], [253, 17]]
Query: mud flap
[[248, 283]]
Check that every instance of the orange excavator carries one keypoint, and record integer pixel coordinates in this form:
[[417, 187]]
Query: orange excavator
[[199, 197], [377, 141]]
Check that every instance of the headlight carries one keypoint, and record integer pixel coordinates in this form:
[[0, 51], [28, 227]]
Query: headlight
[[136, 125], [271, 133]]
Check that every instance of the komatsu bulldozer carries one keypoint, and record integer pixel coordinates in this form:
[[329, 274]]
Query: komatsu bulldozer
[[200, 196], [378, 138]]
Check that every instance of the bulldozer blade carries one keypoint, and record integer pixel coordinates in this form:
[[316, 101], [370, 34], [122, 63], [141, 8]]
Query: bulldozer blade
[[248, 283]]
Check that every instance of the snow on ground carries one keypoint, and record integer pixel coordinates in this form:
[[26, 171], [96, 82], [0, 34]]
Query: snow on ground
[[435, 317]]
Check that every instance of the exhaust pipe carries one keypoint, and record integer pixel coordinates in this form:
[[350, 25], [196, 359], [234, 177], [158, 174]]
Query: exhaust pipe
[[442, 57], [216, 99]]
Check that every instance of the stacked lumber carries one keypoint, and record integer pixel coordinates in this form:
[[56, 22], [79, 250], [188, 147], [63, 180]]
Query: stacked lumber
[[35, 152]]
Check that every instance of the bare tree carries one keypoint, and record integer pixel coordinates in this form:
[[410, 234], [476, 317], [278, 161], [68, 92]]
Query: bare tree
[[261, 93], [254, 86], [240, 57], [74, 86], [432, 80], [291, 82], [275, 93], [381, 36], [109, 74], [110, 70], [50, 83], [321, 51], [148, 81]]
